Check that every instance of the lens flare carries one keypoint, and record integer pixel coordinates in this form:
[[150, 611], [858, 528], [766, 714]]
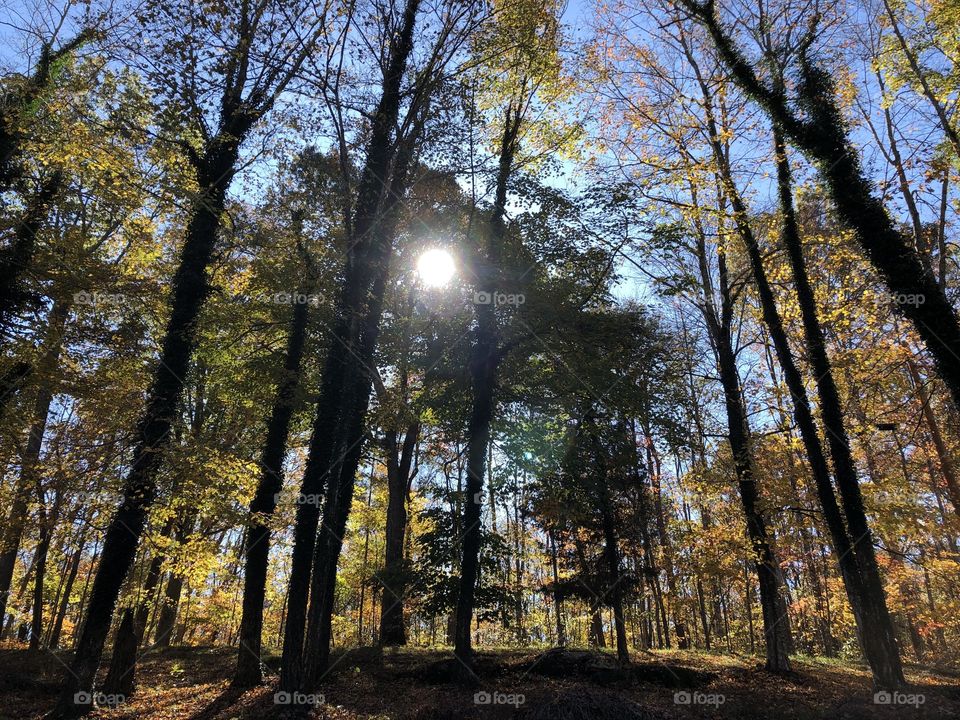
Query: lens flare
[[436, 268]]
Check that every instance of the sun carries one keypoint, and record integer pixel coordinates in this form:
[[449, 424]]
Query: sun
[[436, 268]]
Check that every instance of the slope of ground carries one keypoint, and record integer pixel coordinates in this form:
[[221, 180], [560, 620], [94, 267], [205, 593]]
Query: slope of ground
[[193, 684]]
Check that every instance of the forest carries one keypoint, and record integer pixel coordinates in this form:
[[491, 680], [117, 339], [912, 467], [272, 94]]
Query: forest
[[440, 359]]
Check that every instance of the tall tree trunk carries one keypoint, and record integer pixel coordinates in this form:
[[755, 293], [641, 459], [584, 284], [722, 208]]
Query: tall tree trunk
[[339, 498], [249, 670], [654, 469], [338, 374], [557, 594], [652, 570], [48, 522], [866, 595], [719, 325], [776, 624], [484, 362], [43, 548], [763, 560], [611, 552], [189, 291]]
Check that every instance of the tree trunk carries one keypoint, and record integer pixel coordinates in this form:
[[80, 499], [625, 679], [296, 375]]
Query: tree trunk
[[336, 511], [557, 596], [866, 594], [54, 641], [43, 548], [189, 291], [947, 468], [339, 374], [483, 374], [764, 560], [121, 678], [337, 504], [168, 611], [154, 571], [11, 381], [392, 626], [249, 670], [17, 258], [28, 479], [18, 104], [611, 552], [653, 469]]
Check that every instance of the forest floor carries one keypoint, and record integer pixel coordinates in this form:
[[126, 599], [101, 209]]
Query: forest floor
[[411, 684]]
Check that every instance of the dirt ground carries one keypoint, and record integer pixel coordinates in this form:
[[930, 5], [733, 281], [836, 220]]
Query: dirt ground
[[413, 684]]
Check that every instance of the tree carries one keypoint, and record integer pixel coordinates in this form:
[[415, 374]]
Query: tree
[[529, 35], [242, 89], [823, 137]]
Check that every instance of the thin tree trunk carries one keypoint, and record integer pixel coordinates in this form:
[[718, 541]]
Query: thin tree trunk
[[611, 553], [141, 616], [557, 595], [27, 481], [43, 548], [54, 640], [763, 559], [943, 454], [948, 130]]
